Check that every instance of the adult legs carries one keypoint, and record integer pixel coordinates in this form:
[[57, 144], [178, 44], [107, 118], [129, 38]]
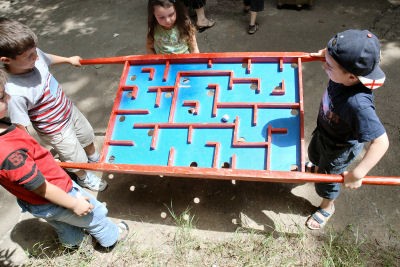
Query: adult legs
[[253, 6], [202, 22]]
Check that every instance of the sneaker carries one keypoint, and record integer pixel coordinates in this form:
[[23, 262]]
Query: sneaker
[[310, 167], [123, 229], [92, 182], [252, 29]]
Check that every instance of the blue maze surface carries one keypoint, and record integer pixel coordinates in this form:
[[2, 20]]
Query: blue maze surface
[[284, 148]]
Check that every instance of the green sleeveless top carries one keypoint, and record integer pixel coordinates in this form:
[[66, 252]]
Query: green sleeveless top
[[169, 42]]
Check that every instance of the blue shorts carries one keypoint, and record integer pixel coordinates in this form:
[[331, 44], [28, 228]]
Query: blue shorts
[[331, 158]]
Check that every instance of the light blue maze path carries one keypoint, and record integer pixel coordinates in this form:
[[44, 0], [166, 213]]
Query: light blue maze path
[[270, 78], [285, 148]]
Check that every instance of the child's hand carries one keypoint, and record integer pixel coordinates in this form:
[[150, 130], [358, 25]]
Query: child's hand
[[351, 181], [82, 206], [320, 53], [75, 61]]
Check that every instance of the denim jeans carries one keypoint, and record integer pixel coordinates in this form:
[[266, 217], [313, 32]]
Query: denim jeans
[[70, 227], [331, 158]]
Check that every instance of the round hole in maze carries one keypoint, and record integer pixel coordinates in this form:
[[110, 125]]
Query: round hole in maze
[[168, 94], [294, 112], [191, 110], [210, 92], [150, 132], [253, 86], [133, 77], [122, 118], [294, 168], [193, 164], [294, 65], [242, 139], [111, 159], [185, 80], [226, 165]]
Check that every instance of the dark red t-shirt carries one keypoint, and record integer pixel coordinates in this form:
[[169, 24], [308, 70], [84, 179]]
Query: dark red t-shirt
[[25, 165]]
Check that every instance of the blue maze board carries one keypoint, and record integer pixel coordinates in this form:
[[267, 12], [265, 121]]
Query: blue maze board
[[207, 115]]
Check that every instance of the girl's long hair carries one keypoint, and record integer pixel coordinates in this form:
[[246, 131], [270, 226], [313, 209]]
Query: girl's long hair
[[183, 22]]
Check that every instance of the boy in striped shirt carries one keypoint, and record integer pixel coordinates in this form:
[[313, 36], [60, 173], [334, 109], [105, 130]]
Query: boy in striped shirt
[[37, 99]]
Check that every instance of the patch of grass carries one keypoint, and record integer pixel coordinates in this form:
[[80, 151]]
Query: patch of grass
[[343, 248], [249, 248], [51, 253], [186, 246], [184, 243], [350, 248]]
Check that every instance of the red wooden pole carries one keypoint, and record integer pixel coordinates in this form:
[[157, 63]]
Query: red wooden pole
[[218, 57], [228, 174]]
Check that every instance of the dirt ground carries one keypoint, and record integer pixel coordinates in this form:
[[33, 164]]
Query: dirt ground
[[113, 28]]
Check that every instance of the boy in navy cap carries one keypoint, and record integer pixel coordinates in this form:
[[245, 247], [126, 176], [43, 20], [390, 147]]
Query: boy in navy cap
[[347, 117]]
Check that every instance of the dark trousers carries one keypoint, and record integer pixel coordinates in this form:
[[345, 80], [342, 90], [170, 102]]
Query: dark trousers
[[255, 5], [195, 4]]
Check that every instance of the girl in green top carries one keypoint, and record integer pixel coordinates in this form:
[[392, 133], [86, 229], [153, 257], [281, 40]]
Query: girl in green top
[[170, 30]]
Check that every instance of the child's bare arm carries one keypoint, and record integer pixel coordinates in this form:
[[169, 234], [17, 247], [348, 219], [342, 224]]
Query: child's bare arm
[[376, 150], [80, 206], [193, 45], [22, 127], [74, 60], [150, 46]]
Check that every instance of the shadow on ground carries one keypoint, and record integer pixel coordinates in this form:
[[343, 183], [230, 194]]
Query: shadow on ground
[[222, 205]]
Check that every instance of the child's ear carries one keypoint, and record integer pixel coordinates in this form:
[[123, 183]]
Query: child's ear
[[353, 77], [5, 60]]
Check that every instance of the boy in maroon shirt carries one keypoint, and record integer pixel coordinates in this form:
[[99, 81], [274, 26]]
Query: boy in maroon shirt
[[29, 172]]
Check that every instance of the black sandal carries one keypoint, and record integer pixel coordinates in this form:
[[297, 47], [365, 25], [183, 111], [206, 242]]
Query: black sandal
[[210, 24]]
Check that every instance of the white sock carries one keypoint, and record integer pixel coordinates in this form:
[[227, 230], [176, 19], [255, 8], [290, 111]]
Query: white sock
[[94, 157]]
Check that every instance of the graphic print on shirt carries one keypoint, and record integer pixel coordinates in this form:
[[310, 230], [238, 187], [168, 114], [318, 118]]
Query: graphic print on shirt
[[326, 110], [169, 41], [53, 86], [15, 160]]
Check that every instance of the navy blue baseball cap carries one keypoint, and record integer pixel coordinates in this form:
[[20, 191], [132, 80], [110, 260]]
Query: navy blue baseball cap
[[358, 52]]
